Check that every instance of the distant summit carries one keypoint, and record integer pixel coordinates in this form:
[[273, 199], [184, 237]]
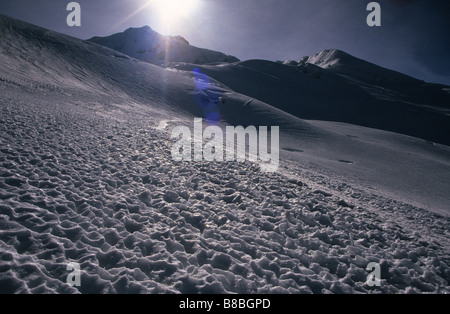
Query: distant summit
[[329, 58], [148, 45], [343, 63]]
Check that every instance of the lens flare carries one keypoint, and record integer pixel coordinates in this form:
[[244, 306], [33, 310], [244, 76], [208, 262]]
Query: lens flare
[[207, 101]]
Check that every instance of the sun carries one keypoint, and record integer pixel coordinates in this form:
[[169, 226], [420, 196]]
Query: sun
[[171, 11]]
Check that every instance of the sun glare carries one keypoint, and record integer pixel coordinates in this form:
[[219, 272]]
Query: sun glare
[[171, 11]]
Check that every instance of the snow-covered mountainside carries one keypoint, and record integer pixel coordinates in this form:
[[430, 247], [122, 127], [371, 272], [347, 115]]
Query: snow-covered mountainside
[[148, 45], [86, 176], [371, 76], [334, 86]]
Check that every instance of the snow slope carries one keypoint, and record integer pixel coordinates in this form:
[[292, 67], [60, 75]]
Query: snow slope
[[353, 91], [86, 176], [381, 83], [147, 45]]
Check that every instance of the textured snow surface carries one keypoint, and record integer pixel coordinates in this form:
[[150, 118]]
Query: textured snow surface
[[78, 186]]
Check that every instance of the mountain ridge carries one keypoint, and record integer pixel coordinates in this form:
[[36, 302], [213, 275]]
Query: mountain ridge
[[147, 45]]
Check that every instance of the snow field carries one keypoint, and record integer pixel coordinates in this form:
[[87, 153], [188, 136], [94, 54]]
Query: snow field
[[76, 186]]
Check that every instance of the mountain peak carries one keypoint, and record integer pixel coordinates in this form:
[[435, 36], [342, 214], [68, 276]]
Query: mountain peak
[[145, 28], [329, 58], [344, 63], [148, 45]]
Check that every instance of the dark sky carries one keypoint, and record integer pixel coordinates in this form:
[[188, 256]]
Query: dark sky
[[414, 37]]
